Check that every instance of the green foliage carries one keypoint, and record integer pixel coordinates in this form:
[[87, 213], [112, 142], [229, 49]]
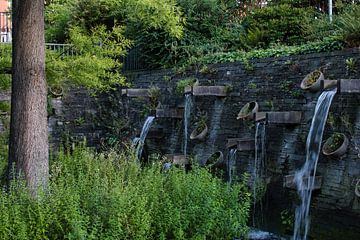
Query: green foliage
[[327, 44], [272, 24], [5, 66], [136, 15], [181, 84], [315, 27], [210, 27], [4, 142], [344, 25], [5, 107], [287, 219], [96, 65], [108, 196], [350, 65], [349, 25], [58, 16]]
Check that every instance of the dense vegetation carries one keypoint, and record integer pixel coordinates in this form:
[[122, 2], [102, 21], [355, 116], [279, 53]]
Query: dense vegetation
[[178, 33], [109, 196]]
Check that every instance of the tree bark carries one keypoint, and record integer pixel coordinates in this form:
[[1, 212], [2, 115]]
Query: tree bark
[[28, 146]]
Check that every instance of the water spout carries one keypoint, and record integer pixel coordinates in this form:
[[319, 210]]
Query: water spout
[[139, 142], [304, 181], [187, 115]]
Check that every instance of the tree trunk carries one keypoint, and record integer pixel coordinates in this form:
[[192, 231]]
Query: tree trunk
[[28, 147]]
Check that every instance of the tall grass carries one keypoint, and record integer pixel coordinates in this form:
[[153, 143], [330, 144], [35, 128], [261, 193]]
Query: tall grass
[[98, 196]]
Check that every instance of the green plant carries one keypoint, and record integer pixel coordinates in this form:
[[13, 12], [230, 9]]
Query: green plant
[[260, 188], [229, 88], [346, 124], [154, 94], [181, 84], [280, 23], [251, 85], [110, 196], [5, 106], [312, 78], [290, 87], [201, 120], [334, 142], [350, 65], [326, 44], [270, 104], [348, 25], [247, 65], [166, 78], [205, 69], [287, 219], [79, 121]]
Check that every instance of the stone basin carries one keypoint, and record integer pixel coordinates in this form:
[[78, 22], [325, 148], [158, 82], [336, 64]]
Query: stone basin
[[219, 91], [136, 92], [349, 86], [242, 144], [290, 117]]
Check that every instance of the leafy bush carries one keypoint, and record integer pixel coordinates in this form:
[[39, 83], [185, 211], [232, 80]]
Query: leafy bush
[[5, 66], [95, 64], [110, 197], [274, 24], [210, 27], [328, 44], [349, 25], [181, 84]]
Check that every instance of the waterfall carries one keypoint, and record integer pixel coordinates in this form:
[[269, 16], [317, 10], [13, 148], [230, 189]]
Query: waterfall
[[139, 142], [187, 115], [231, 164], [259, 164], [303, 180]]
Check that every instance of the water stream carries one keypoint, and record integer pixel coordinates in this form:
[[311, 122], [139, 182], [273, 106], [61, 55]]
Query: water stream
[[304, 181], [231, 164], [259, 165], [139, 142], [187, 115]]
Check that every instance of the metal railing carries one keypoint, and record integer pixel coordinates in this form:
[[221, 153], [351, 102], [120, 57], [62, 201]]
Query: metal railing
[[62, 48], [133, 60]]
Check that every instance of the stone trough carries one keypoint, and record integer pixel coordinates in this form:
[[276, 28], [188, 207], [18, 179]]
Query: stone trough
[[219, 91], [349, 86], [291, 117], [136, 92], [241, 144]]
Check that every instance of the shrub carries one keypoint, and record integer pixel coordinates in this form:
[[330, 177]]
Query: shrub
[[275, 24], [108, 196], [349, 25]]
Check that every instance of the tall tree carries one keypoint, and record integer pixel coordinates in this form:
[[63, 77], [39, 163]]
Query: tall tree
[[28, 147]]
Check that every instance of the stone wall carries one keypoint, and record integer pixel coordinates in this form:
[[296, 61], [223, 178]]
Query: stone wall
[[274, 84]]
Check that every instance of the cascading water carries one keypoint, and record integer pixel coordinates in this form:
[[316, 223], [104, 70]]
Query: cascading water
[[259, 163], [139, 142], [231, 164], [187, 115], [304, 181]]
